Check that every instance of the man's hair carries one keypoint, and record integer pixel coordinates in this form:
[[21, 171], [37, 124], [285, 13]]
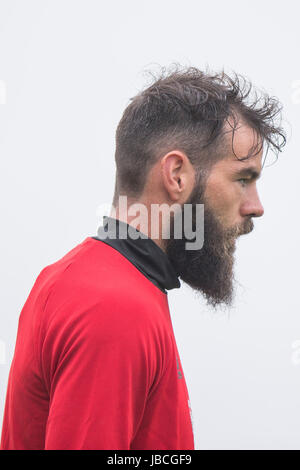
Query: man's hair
[[186, 109]]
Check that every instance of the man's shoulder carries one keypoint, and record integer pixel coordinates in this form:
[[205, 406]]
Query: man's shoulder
[[99, 269], [95, 278]]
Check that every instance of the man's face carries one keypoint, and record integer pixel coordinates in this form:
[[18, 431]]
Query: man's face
[[231, 186], [230, 200]]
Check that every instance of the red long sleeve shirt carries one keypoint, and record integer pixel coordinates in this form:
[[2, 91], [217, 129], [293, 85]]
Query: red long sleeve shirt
[[96, 364]]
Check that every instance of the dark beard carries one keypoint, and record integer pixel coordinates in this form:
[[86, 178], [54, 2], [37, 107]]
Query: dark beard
[[208, 270]]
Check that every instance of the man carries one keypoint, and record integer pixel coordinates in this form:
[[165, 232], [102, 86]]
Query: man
[[96, 364]]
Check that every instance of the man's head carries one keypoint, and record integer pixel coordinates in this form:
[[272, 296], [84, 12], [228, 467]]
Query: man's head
[[192, 137]]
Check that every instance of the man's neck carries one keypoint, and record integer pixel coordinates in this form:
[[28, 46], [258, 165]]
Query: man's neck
[[141, 221]]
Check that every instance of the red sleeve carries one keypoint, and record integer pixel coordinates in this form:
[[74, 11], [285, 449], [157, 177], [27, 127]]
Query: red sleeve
[[99, 366]]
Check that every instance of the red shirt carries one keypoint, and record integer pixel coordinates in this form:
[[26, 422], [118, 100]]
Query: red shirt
[[96, 364]]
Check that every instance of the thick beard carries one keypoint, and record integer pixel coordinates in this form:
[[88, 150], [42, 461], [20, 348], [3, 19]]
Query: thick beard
[[208, 270]]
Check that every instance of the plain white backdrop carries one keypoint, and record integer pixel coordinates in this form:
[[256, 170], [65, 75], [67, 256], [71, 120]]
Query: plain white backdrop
[[67, 71]]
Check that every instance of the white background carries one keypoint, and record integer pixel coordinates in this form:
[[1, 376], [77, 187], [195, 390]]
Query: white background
[[67, 71]]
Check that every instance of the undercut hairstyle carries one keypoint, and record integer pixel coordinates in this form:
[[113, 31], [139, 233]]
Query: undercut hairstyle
[[186, 109]]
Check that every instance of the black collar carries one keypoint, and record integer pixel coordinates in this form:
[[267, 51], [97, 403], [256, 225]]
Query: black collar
[[143, 252]]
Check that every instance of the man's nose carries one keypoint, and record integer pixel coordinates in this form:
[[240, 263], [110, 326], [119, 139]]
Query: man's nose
[[252, 207]]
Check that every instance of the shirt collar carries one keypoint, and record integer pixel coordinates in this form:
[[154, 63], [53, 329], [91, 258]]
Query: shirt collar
[[142, 251]]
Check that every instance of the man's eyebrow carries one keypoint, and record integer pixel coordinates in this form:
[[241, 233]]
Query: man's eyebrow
[[248, 172]]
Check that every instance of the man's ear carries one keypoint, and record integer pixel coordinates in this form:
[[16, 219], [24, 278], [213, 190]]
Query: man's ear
[[178, 175]]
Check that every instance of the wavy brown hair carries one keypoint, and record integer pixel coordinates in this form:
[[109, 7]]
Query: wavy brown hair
[[186, 109]]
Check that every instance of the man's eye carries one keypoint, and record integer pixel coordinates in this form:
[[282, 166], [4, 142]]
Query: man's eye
[[243, 181]]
